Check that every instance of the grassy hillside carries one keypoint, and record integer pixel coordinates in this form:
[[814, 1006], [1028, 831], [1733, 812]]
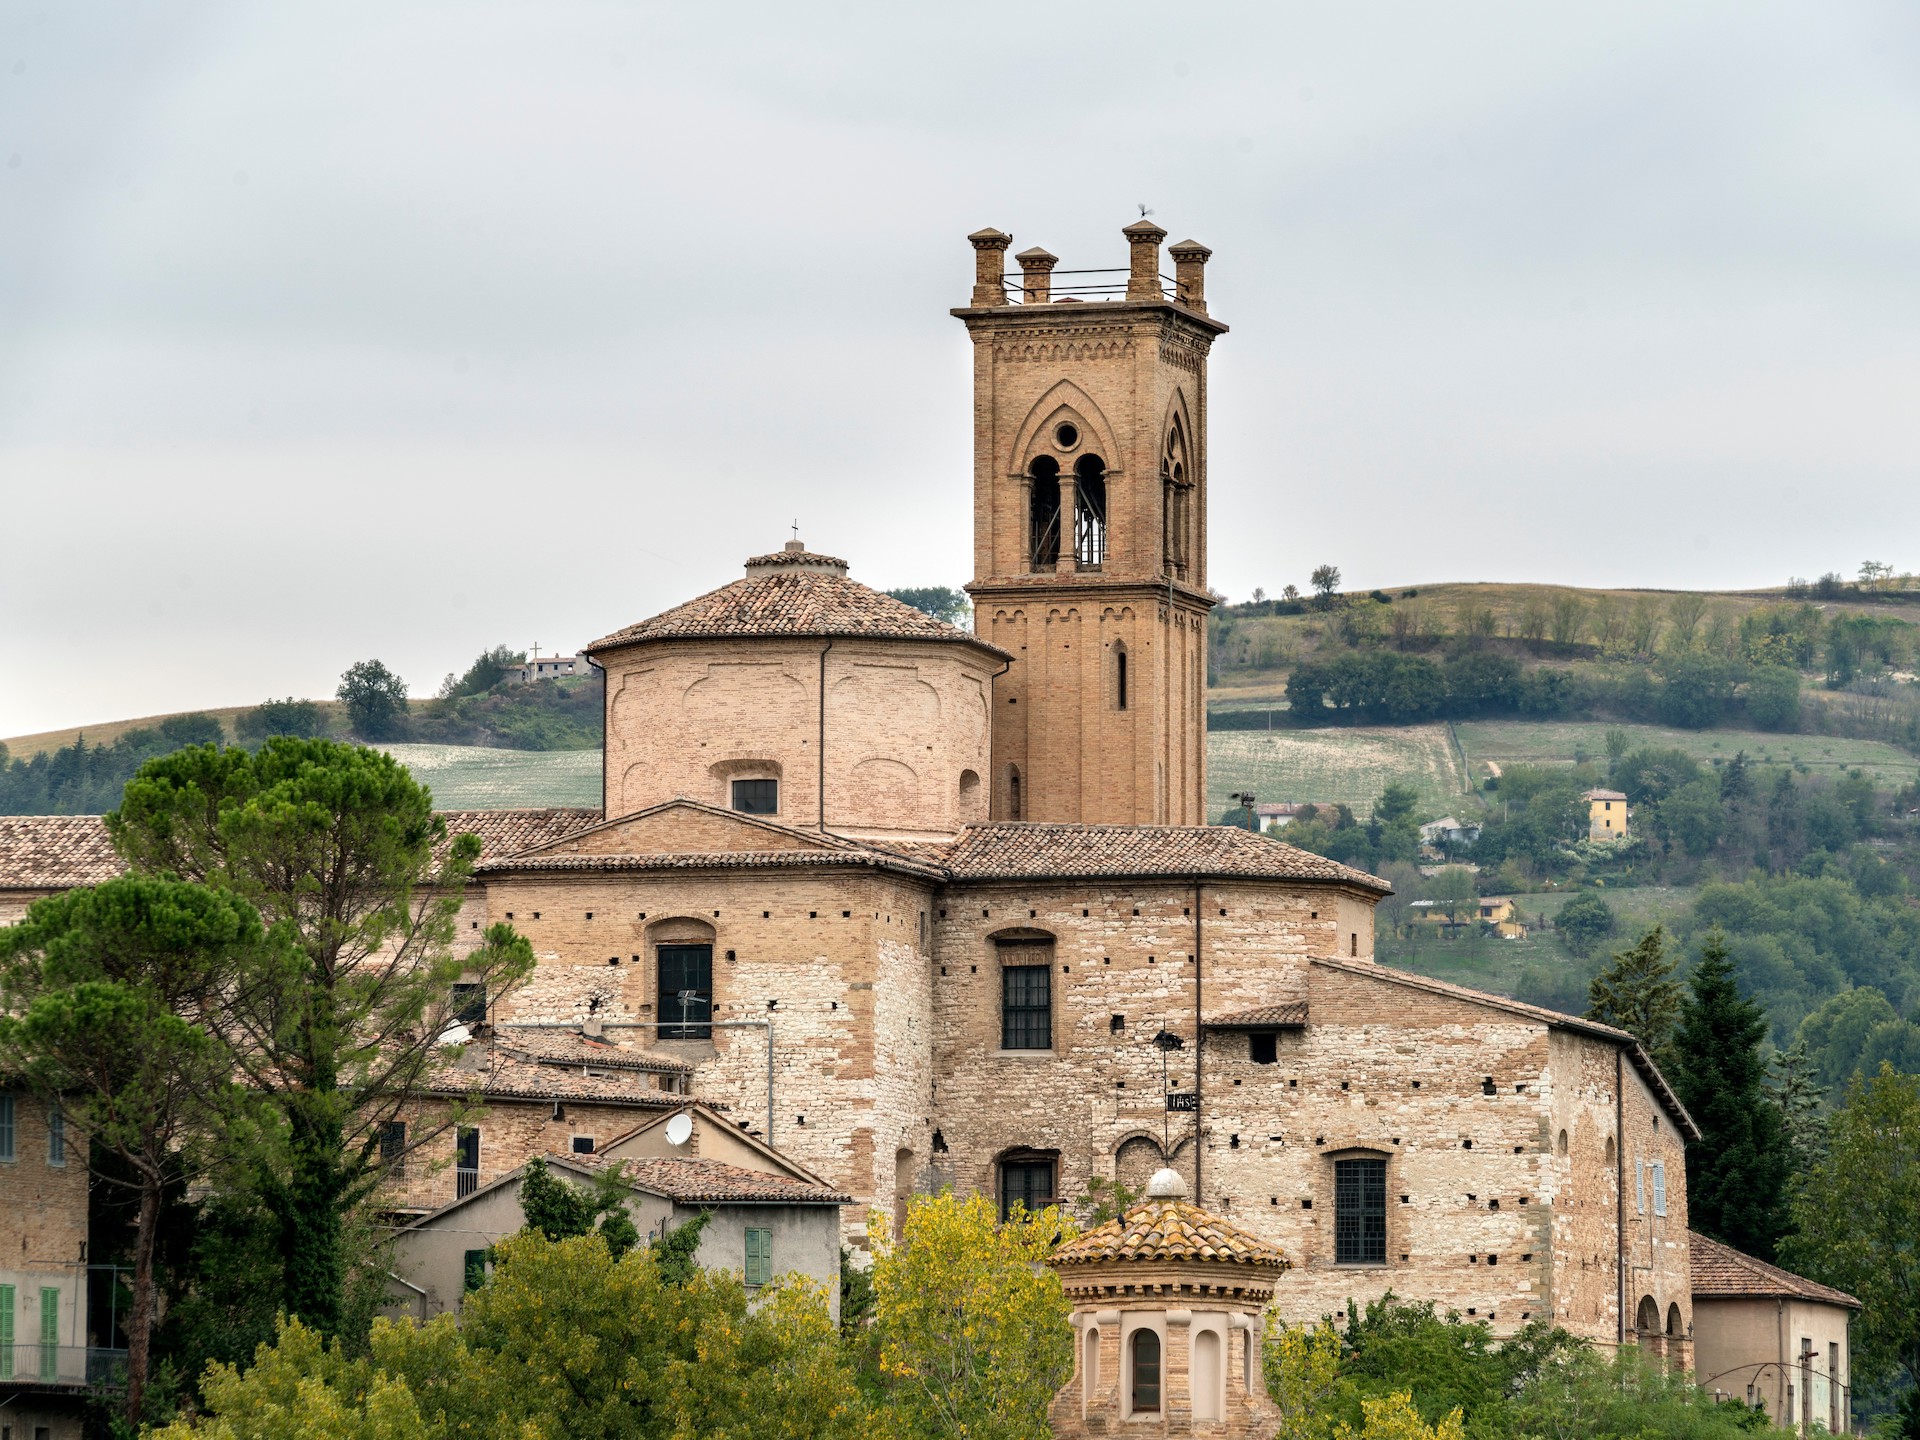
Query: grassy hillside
[[473, 777], [1344, 766]]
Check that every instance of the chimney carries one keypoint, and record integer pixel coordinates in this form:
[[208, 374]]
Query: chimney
[[1036, 276], [1143, 275], [989, 246], [1189, 273], [594, 1026]]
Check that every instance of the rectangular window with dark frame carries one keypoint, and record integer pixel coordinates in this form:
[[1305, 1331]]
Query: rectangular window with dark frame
[[6, 1127], [469, 1004], [1026, 1010], [56, 1136], [474, 1269], [1026, 1183], [1360, 1212], [756, 797], [1263, 1047], [393, 1146], [686, 992], [466, 1162]]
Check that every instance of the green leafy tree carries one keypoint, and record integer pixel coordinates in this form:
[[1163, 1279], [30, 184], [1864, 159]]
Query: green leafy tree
[[102, 995], [340, 851], [972, 1325], [1854, 1221], [300, 718], [1453, 890], [674, 1251], [1585, 921], [1773, 698], [942, 602], [376, 701], [1326, 584], [488, 670], [1737, 1173], [1636, 992], [562, 1341], [560, 1210]]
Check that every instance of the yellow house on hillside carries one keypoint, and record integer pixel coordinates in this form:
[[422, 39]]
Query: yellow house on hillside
[[1606, 815]]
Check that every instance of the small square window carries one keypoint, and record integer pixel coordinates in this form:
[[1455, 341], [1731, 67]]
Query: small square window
[[756, 797], [1263, 1047], [583, 1144]]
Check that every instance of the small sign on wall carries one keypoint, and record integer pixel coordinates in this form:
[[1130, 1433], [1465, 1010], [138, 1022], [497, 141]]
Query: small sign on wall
[[1183, 1100]]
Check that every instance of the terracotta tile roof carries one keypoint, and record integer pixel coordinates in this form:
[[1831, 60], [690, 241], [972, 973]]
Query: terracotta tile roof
[[713, 1182], [506, 1076], [1169, 1230], [507, 832], [796, 557], [58, 852], [1264, 1018], [1642, 1061], [1721, 1272], [1031, 851], [574, 1049], [55, 852], [793, 603], [720, 860]]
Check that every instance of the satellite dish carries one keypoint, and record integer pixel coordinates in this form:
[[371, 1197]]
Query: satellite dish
[[680, 1129]]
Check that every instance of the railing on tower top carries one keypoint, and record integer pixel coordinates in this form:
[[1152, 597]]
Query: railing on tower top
[[1100, 285]]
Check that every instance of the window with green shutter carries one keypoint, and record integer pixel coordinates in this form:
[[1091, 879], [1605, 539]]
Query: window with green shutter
[[6, 1127], [49, 1333], [759, 1256], [6, 1332]]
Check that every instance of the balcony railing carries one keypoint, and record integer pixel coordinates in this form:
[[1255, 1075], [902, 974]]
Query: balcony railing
[[77, 1365]]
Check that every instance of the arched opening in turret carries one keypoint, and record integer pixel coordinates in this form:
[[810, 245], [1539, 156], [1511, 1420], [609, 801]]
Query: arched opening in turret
[[1090, 512], [1043, 513], [1145, 1395]]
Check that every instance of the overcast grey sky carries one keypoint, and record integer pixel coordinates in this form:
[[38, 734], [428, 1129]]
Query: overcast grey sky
[[399, 329]]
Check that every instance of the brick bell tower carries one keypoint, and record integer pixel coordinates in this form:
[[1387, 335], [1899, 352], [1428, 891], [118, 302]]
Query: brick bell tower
[[1090, 527]]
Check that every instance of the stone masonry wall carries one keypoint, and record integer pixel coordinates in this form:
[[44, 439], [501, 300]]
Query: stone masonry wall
[[905, 722], [835, 959]]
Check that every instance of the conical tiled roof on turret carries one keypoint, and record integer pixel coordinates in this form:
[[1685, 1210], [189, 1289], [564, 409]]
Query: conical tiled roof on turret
[[1165, 1226], [793, 593]]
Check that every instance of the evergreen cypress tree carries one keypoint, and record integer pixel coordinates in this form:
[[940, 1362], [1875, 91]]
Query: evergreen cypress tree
[[1737, 1172], [1637, 993], [1801, 1098]]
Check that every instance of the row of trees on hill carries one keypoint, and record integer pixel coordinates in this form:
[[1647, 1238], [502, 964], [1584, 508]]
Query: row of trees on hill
[[1386, 687]]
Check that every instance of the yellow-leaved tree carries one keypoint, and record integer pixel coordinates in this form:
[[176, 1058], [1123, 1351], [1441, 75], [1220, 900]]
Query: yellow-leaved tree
[[971, 1323], [1394, 1418], [1302, 1371]]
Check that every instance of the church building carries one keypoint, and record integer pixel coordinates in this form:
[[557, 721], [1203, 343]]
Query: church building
[[928, 907]]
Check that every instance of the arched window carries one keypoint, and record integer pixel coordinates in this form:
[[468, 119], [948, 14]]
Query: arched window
[[1090, 512], [1208, 1383], [1246, 1359], [1015, 810], [1120, 676], [1146, 1372], [1562, 1145], [970, 796], [1177, 490], [1043, 513], [1090, 1364], [1646, 1321], [1612, 1153]]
